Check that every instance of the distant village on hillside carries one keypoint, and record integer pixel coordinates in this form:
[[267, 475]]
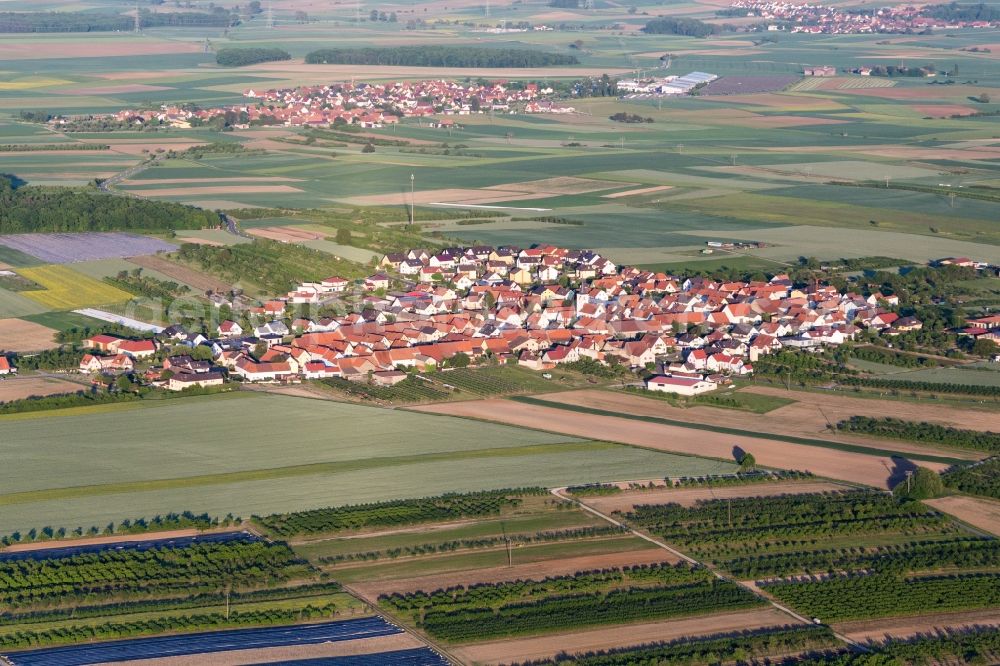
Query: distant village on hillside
[[820, 19], [364, 104]]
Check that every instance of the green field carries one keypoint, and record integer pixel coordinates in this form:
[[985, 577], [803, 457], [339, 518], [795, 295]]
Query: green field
[[264, 453]]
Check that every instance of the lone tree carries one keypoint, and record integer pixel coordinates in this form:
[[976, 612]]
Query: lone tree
[[748, 463], [344, 236], [922, 484]]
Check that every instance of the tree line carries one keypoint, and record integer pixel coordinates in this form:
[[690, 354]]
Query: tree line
[[32, 209], [21, 22], [686, 27], [394, 512], [439, 56], [923, 432], [250, 56]]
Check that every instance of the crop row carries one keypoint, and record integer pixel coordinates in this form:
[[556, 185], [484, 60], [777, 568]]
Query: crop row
[[883, 594], [123, 571], [468, 544], [725, 648], [564, 612], [180, 623], [803, 515], [581, 581], [923, 432], [960, 552], [980, 479], [394, 512]]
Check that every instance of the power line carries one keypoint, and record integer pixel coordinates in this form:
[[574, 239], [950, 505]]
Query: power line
[[138, 21], [270, 16]]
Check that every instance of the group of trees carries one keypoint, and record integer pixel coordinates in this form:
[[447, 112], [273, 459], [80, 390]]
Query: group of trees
[[863, 596], [376, 16], [923, 432], [740, 647], [958, 552], [114, 572], [565, 602], [394, 512], [32, 209], [233, 57], [739, 525], [439, 56], [622, 117], [687, 27], [978, 479], [274, 266], [108, 22], [515, 540]]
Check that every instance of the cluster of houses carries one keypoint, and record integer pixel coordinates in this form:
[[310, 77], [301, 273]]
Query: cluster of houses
[[820, 19], [538, 307], [364, 104], [667, 85]]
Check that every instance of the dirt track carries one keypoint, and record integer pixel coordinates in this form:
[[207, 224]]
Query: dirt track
[[688, 496], [879, 471], [522, 649], [981, 513], [800, 419], [535, 570], [904, 627]]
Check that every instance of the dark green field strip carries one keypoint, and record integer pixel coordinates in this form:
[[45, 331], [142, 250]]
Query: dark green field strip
[[293, 471], [807, 441]]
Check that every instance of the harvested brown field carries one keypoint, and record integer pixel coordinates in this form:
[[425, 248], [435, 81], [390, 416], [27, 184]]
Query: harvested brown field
[[976, 511], [183, 274], [689, 496], [533, 570], [187, 181], [904, 627], [871, 470], [18, 335], [453, 195], [359, 646], [943, 110], [641, 190], [800, 419], [523, 649], [102, 540], [14, 48], [138, 148], [200, 241], [217, 189], [559, 185], [18, 388], [285, 234]]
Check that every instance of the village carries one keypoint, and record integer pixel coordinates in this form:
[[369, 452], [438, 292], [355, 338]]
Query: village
[[369, 105], [537, 308], [820, 19]]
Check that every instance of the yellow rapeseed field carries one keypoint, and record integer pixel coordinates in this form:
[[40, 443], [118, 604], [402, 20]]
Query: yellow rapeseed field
[[66, 289]]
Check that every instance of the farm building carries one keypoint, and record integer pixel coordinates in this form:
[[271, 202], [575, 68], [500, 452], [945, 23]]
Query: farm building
[[679, 385], [184, 380]]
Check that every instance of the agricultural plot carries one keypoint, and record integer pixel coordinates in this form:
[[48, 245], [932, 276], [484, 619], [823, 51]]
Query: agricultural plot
[[72, 247], [15, 304], [838, 556], [736, 85], [384, 455], [18, 335], [65, 289]]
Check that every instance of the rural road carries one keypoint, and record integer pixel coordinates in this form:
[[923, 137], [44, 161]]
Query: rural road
[[560, 493]]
